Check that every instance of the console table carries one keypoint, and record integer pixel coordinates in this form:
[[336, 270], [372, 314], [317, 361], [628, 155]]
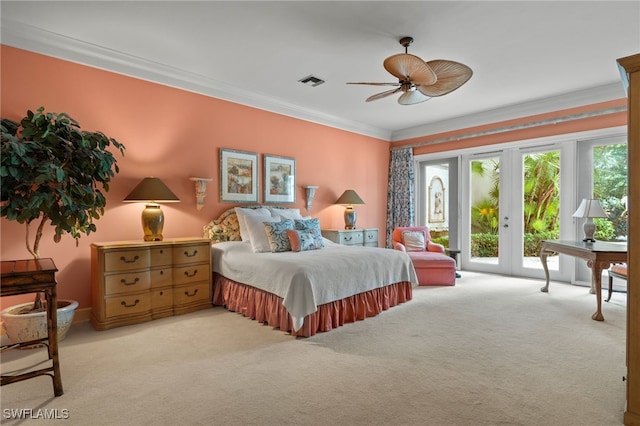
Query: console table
[[599, 256], [31, 276]]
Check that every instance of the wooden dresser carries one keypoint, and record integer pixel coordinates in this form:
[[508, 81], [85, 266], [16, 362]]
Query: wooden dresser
[[132, 282], [353, 237]]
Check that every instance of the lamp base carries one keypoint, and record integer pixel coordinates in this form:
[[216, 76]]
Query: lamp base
[[589, 229], [350, 217], [152, 222]]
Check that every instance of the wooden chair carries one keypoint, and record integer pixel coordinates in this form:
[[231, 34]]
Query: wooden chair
[[617, 271]]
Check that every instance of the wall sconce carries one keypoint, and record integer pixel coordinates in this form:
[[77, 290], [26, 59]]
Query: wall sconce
[[201, 190], [311, 192], [152, 191]]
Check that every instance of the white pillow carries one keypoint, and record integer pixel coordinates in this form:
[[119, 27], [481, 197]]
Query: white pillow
[[286, 213], [257, 234], [414, 240], [243, 213]]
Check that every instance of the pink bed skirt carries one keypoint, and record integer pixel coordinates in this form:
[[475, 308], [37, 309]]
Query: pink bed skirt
[[267, 308]]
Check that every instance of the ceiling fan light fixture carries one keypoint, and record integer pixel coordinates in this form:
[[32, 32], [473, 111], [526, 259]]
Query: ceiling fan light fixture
[[412, 97], [419, 81]]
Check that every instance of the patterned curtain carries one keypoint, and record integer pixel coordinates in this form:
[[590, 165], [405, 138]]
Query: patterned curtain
[[400, 199]]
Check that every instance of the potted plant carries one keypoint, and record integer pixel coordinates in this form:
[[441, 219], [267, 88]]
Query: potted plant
[[53, 173]]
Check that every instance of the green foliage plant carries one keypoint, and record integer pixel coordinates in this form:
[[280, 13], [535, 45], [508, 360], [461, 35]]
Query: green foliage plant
[[53, 172]]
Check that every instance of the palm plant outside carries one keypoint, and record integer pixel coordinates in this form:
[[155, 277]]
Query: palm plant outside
[[542, 199]]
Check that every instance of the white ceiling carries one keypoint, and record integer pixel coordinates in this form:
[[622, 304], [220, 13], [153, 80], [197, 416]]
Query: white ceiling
[[527, 57]]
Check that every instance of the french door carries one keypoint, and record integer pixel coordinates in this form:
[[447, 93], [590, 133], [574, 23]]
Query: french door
[[513, 199]]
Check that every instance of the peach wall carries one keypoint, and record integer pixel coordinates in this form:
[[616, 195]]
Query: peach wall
[[175, 134]]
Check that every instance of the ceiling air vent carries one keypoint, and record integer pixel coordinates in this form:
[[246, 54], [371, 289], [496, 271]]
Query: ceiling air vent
[[311, 81]]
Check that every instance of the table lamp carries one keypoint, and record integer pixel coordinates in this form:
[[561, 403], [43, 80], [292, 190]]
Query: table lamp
[[348, 198], [152, 190], [589, 208]]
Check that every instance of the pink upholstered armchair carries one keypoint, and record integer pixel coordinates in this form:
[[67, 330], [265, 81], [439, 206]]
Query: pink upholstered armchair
[[432, 265]]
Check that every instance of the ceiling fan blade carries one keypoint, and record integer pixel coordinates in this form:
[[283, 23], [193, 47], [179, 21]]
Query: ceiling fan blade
[[451, 75], [377, 84], [408, 67], [383, 94], [412, 97]]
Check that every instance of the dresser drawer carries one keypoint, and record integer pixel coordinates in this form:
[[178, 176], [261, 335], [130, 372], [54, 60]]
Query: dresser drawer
[[162, 298], [351, 238], [126, 260], [191, 293], [127, 305], [161, 277], [371, 237], [191, 273], [126, 283], [161, 256], [191, 254]]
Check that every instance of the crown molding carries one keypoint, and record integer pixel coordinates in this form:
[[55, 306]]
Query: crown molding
[[47, 43], [560, 102]]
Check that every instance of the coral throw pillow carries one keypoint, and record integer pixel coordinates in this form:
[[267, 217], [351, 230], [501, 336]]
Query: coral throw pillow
[[414, 240], [304, 240]]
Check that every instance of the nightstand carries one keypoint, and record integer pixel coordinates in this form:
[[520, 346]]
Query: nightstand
[[353, 237]]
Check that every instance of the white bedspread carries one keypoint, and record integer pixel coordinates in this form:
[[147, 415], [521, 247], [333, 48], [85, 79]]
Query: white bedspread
[[305, 280]]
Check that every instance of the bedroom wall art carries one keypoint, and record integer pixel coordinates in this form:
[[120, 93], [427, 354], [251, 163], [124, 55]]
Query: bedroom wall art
[[279, 179], [238, 176], [436, 200]]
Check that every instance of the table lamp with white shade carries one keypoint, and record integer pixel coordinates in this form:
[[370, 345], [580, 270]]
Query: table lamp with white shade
[[589, 208]]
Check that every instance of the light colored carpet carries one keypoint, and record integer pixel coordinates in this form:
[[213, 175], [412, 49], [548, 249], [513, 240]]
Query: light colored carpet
[[490, 351]]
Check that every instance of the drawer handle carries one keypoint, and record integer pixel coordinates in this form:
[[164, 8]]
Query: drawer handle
[[124, 282], [134, 260], [123, 303], [186, 293], [186, 253], [370, 237], [348, 238], [186, 273]]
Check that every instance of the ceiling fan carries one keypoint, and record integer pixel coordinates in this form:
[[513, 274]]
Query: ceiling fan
[[418, 80]]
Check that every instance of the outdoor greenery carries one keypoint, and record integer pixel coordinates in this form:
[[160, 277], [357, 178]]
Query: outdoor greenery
[[542, 199], [610, 187]]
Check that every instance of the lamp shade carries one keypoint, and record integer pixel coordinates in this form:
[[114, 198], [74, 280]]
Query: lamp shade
[[349, 197], [151, 190], [590, 208]]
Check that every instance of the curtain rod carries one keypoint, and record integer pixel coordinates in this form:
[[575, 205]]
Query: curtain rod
[[515, 127]]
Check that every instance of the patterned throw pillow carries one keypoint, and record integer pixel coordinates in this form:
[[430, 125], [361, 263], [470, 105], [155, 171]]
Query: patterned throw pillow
[[308, 224], [304, 240], [414, 240], [311, 224], [277, 235]]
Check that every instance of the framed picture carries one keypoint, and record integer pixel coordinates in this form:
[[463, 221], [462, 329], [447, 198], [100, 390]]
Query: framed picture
[[279, 179], [436, 200], [238, 176]]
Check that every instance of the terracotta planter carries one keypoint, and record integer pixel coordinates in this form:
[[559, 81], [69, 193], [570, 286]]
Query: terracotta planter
[[26, 327]]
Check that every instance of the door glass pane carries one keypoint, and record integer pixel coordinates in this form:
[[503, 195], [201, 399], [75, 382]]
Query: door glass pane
[[484, 202], [541, 206], [437, 202], [610, 187]]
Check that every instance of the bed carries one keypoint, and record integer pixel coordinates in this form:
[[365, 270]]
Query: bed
[[297, 290]]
